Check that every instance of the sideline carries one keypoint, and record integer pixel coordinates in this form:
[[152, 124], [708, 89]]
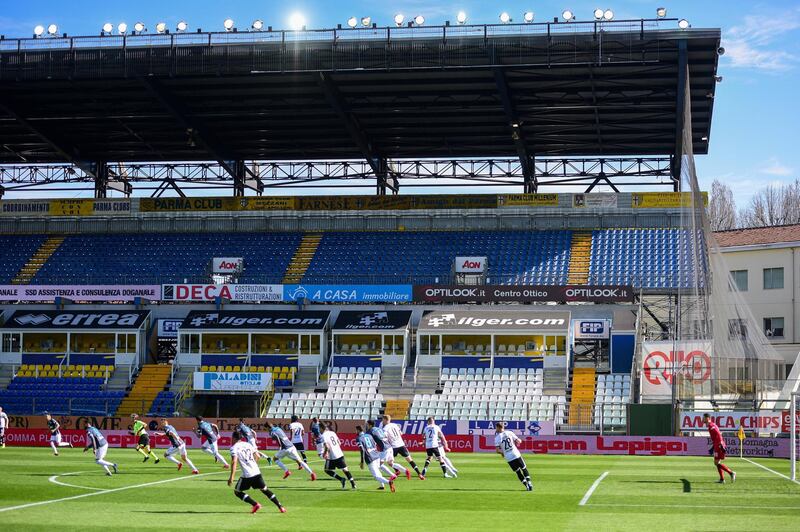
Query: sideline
[[771, 470], [103, 492], [592, 488]]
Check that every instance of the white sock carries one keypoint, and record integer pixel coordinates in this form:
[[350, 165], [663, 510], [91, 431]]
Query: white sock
[[380, 479], [221, 459], [172, 459], [208, 450], [449, 468], [53, 445], [306, 467], [64, 444], [281, 465], [399, 468], [104, 463], [388, 470], [449, 464], [189, 463], [106, 468]]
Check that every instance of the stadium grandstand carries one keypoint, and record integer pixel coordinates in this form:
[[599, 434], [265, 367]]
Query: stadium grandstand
[[536, 303]]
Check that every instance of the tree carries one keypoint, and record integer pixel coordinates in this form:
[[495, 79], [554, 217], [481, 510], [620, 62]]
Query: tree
[[721, 207], [773, 205]]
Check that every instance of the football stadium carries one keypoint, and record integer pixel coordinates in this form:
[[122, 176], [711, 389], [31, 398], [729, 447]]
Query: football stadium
[[427, 274]]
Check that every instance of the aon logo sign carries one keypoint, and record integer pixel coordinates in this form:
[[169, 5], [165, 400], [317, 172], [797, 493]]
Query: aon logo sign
[[470, 264]]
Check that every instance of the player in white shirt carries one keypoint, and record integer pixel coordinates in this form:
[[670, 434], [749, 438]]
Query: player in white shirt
[[436, 446], [3, 425], [395, 436], [297, 431], [505, 443], [245, 455], [334, 457]]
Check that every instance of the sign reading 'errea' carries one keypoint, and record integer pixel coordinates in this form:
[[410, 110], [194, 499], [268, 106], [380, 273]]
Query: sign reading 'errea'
[[49, 319]]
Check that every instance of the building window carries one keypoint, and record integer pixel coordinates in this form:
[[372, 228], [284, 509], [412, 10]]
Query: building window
[[773, 278], [773, 327], [739, 280]]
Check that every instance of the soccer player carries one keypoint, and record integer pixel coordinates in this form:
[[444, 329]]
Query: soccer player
[[435, 442], [97, 442], [334, 457], [244, 454], [317, 433], [505, 444], [395, 436], [718, 449], [55, 434], [177, 445], [210, 432], [249, 435], [287, 448], [296, 430], [139, 430], [3, 425], [370, 454], [386, 452]]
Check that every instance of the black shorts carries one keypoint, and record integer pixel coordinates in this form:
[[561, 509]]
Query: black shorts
[[144, 440], [517, 463], [433, 452], [401, 451], [251, 483], [336, 463], [300, 446]]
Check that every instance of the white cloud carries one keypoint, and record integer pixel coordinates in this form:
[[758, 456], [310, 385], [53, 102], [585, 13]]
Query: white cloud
[[774, 167], [752, 43]]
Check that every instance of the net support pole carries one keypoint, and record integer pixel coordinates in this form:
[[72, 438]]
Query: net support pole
[[793, 432]]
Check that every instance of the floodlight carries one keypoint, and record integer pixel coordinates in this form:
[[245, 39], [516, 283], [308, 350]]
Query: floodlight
[[567, 15], [528, 17], [608, 14], [661, 12], [258, 24], [505, 18], [122, 28], [108, 27], [399, 19], [161, 27], [683, 23], [352, 22], [139, 27], [228, 24], [52, 29], [365, 21], [419, 20], [297, 21], [598, 14], [182, 25], [38, 30], [461, 17]]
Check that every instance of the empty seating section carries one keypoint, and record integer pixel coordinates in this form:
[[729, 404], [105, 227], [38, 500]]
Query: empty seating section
[[163, 404], [352, 394], [509, 394], [15, 250], [514, 257], [647, 258], [282, 376], [152, 379], [612, 395], [63, 396], [98, 371], [166, 257]]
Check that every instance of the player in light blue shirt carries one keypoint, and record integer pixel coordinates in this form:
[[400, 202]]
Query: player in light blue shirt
[[287, 449], [372, 456], [97, 442]]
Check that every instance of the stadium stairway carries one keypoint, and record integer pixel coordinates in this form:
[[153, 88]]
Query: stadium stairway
[[37, 260], [302, 258], [305, 380], [152, 379], [6, 375], [580, 257], [582, 397]]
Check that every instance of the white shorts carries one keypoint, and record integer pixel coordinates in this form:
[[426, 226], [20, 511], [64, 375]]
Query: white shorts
[[181, 449], [56, 438], [100, 452], [387, 455], [291, 452], [441, 451], [210, 445]]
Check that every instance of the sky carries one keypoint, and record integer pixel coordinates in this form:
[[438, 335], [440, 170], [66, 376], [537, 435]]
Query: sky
[[756, 124]]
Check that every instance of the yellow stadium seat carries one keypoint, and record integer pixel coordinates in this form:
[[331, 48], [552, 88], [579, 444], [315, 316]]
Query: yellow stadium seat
[[237, 368], [95, 367], [212, 368], [228, 368], [261, 369], [203, 368]]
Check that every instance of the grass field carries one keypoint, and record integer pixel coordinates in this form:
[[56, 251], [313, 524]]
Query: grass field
[[639, 493]]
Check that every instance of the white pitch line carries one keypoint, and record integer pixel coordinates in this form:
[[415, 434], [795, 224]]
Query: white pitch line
[[83, 495], [692, 506], [54, 481], [771, 470], [592, 488]]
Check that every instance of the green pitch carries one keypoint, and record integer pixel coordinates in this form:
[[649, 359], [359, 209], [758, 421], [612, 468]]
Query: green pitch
[[639, 493]]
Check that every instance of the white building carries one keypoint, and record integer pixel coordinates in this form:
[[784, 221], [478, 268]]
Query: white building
[[765, 265]]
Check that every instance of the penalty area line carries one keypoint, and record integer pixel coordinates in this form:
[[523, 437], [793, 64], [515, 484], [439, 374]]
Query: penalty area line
[[92, 494], [592, 488], [771, 470]]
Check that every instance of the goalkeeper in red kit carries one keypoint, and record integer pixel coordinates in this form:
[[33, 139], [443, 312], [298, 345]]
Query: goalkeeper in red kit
[[718, 449]]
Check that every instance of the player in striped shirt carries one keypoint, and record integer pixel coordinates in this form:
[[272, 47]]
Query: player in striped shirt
[[317, 434], [287, 448], [250, 436], [177, 445], [139, 430], [55, 434], [372, 456], [97, 442], [385, 449], [3, 425], [210, 432]]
